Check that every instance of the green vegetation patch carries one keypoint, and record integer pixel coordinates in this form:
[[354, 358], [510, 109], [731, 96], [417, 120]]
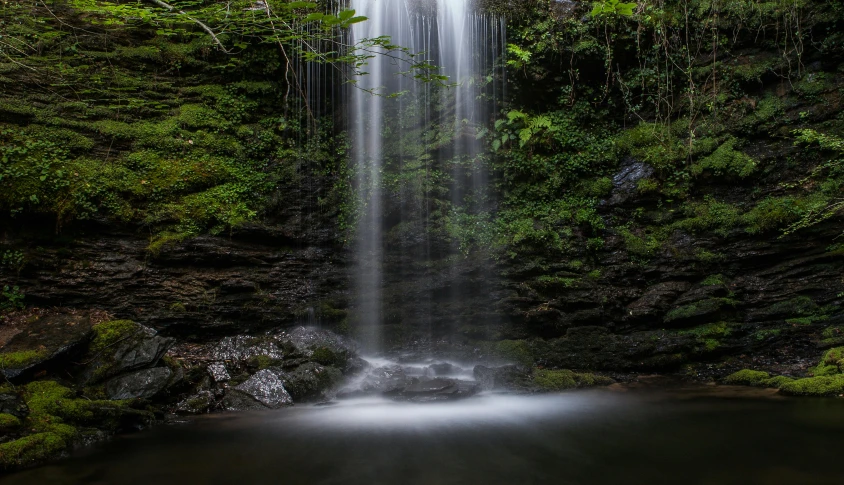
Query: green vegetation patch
[[560, 380], [22, 359], [815, 386], [107, 334]]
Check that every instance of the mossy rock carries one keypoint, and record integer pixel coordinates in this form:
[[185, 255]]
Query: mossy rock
[[42, 342], [119, 346], [8, 422], [755, 378], [35, 448], [561, 380], [815, 386], [831, 363]]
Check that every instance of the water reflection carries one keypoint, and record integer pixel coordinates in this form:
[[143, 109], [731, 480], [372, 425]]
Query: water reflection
[[597, 437]]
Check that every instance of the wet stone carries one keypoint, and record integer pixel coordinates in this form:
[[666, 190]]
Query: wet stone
[[143, 383], [267, 388], [218, 372], [243, 347]]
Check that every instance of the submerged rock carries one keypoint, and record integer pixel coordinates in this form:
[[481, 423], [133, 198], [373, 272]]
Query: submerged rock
[[385, 380], [144, 383], [265, 387], [504, 378], [439, 389]]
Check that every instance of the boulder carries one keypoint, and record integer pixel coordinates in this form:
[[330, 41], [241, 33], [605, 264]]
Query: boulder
[[241, 348], [142, 384], [120, 346], [389, 379], [265, 387], [321, 345], [311, 381], [12, 403], [45, 339]]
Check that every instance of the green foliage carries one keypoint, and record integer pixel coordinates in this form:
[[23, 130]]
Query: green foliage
[[612, 7], [11, 298]]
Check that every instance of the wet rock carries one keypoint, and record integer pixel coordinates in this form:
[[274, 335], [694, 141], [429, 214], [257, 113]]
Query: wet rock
[[385, 380], [144, 383], [120, 346], [438, 389], [311, 381], [625, 182], [443, 369], [12, 403], [656, 300], [266, 387], [199, 403], [218, 372], [504, 378], [44, 340], [428, 392], [310, 340], [241, 348]]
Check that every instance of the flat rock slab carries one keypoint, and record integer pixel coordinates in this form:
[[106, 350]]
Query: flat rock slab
[[142, 384], [42, 340]]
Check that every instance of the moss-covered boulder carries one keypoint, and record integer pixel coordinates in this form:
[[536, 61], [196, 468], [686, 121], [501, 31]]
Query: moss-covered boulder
[[57, 416], [43, 341], [815, 386], [120, 346], [560, 380]]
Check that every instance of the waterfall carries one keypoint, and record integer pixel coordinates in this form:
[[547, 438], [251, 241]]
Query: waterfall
[[402, 144]]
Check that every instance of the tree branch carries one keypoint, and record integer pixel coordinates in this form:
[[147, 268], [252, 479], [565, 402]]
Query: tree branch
[[197, 22]]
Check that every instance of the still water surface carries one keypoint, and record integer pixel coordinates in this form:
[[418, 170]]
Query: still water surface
[[585, 437]]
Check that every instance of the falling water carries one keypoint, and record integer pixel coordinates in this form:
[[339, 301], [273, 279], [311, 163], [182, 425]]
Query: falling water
[[396, 151]]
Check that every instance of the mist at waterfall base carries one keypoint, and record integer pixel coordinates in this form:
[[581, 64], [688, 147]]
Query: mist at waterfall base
[[588, 437]]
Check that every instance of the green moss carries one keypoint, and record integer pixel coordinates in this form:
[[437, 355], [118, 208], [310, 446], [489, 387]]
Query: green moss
[[560, 380], [107, 334], [767, 333], [778, 381], [8, 421], [31, 449], [815, 386], [20, 360], [326, 356], [699, 309], [710, 330], [515, 350], [726, 161], [830, 364], [713, 280], [554, 380], [748, 377], [262, 362]]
